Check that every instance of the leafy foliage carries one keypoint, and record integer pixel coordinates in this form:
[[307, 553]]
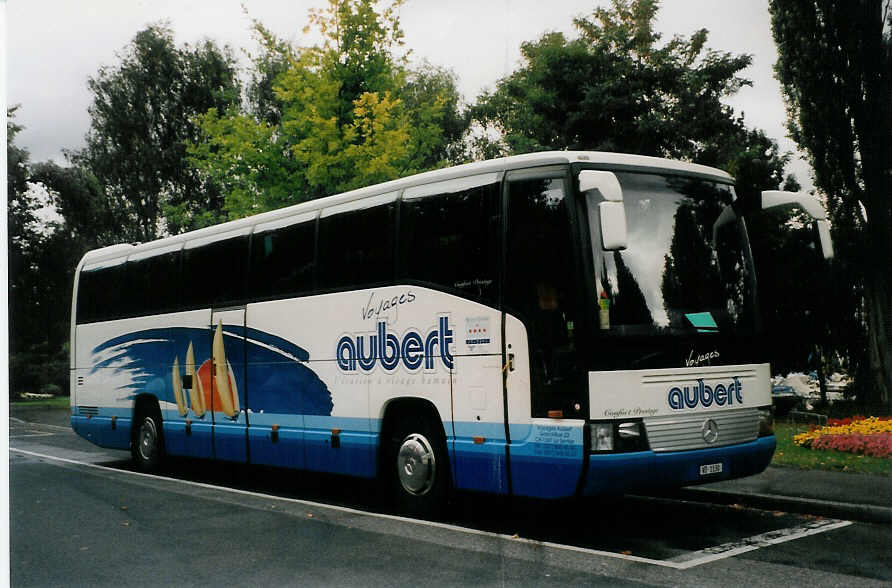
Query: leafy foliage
[[141, 118], [42, 257], [835, 68], [614, 88], [21, 205], [431, 99], [329, 118]]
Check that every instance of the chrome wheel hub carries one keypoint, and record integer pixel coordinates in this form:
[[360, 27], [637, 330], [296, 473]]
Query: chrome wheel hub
[[416, 465], [147, 437]]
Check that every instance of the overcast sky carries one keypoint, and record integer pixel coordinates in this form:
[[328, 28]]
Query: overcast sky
[[53, 46]]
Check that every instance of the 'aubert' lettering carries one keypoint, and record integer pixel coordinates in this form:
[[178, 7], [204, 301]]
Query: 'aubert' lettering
[[385, 348], [704, 395]]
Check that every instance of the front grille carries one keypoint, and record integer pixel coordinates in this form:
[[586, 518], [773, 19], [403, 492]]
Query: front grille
[[682, 432], [88, 410]]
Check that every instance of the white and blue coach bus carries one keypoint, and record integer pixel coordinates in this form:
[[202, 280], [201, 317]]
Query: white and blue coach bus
[[545, 325]]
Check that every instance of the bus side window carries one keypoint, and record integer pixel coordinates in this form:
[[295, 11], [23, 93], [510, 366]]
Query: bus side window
[[163, 272], [154, 283], [450, 240], [356, 248], [282, 262], [214, 274]]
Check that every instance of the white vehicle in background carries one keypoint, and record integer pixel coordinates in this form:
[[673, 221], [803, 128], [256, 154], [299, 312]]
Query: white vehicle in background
[[545, 325]]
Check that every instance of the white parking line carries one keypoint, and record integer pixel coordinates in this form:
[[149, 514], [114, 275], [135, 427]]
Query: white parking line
[[696, 558], [29, 423], [38, 434], [683, 562]]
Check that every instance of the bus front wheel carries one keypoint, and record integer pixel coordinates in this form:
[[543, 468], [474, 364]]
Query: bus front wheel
[[420, 467]]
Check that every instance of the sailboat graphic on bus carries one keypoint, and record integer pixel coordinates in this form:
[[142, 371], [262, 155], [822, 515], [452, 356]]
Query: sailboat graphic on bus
[[212, 384], [276, 371]]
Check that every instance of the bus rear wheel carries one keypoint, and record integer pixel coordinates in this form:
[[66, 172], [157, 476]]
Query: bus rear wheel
[[419, 466], [147, 446]]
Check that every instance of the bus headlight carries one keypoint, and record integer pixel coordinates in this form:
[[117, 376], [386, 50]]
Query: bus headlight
[[617, 436], [766, 422], [602, 436]]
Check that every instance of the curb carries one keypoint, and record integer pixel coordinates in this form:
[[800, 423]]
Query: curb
[[866, 513]]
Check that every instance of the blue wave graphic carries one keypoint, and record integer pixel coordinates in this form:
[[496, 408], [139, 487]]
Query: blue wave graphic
[[272, 377]]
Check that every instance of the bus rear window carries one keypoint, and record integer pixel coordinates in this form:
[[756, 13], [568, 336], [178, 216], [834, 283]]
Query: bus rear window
[[103, 294]]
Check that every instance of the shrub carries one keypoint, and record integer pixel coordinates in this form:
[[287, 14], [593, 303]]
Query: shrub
[[876, 445], [53, 389], [858, 434]]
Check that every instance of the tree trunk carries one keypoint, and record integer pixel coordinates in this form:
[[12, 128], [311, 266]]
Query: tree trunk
[[878, 337], [821, 373]]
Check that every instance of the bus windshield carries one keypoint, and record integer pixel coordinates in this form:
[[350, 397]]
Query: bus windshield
[[682, 272]]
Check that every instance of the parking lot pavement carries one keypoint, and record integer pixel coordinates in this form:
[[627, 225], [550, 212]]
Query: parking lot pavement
[[862, 497]]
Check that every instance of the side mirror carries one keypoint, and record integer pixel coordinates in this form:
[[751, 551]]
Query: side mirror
[[604, 182], [602, 188], [824, 237], [614, 235], [811, 205], [807, 202]]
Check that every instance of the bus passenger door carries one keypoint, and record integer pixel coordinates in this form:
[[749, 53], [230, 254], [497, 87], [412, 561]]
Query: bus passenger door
[[541, 301], [226, 379]]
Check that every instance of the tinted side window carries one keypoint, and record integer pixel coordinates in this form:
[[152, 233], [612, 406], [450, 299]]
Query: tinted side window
[[103, 294], [451, 240], [214, 274], [155, 284], [356, 248], [282, 261]]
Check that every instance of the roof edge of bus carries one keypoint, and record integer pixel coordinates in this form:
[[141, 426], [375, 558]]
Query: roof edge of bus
[[107, 252], [503, 164]]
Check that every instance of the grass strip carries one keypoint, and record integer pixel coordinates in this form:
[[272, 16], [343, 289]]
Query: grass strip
[[55, 402]]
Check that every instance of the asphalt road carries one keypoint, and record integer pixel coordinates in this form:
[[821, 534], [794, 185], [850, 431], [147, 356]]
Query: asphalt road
[[79, 516]]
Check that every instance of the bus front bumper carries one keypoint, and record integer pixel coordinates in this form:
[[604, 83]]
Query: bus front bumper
[[618, 473]]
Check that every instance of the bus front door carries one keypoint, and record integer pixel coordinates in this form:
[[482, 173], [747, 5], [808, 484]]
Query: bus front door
[[541, 303]]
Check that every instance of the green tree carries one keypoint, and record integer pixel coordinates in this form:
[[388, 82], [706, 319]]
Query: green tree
[[440, 131], [22, 240], [21, 203], [141, 118], [273, 60], [89, 217], [616, 88], [341, 115], [835, 68], [42, 258]]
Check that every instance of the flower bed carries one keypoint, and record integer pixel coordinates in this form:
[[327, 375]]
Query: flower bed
[[865, 436]]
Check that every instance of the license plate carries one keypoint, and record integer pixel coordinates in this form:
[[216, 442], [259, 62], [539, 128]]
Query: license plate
[[710, 468]]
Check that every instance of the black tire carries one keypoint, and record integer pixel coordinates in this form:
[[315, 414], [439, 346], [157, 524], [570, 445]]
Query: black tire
[[418, 466], [147, 444]]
